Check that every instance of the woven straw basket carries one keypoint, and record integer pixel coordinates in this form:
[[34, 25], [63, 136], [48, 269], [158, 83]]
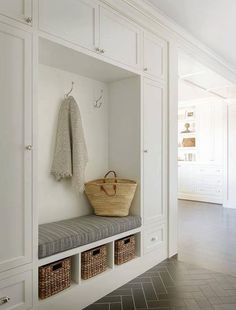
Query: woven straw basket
[[111, 196]]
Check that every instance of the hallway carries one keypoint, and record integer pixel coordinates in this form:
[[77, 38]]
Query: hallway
[[207, 236]]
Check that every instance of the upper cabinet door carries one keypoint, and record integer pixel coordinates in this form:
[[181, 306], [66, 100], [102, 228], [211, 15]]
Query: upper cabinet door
[[15, 148], [119, 38], [154, 173], [71, 20], [20, 10], [154, 56]]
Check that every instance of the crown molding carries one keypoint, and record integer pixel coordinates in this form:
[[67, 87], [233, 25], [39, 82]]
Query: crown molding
[[181, 36]]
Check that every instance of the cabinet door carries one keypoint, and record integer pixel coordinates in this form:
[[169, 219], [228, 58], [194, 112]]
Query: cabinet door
[[15, 159], [71, 20], [20, 10], [119, 38], [205, 132], [154, 56], [154, 206]]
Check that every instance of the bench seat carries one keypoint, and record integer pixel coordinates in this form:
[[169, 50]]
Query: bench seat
[[68, 234]]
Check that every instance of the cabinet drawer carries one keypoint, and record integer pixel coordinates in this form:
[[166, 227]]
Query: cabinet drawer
[[16, 292], [210, 171], [207, 190], [154, 237]]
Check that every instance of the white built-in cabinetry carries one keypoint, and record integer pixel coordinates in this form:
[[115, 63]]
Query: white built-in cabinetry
[[20, 10], [154, 56], [103, 52], [92, 26], [154, 199], [16, 167]]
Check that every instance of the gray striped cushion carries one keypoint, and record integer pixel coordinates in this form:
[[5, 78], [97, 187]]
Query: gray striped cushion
[[64, 235]]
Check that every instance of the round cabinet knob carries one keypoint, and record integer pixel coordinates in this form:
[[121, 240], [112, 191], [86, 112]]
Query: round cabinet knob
[[97, 49], [28, 20], [145, 151], [145, 69], [154, 239], [4, 300], [102, 51], [29, 147]]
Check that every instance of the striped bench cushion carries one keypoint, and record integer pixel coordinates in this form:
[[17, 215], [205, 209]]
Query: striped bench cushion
[[68, 234]]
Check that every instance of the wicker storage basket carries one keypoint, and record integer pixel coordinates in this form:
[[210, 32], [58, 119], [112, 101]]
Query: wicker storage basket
[[54, 277], [111, 196], [93, 262], [124, 250]]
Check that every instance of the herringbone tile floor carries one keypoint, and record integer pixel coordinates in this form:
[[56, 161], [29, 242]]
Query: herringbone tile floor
[[173, 285]]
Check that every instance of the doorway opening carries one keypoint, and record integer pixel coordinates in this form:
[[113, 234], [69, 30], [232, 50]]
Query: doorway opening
[[204, 157]]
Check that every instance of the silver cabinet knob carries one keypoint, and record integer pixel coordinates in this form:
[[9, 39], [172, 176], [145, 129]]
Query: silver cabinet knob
[[28, 20], [145, 151], [29, 147], [4, 300], [145, 69], [154, 239], [102, 51], [97, 49]]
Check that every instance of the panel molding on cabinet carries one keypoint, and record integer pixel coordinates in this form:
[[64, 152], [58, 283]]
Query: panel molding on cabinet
[[75, 21], [154, 237], [154, 186], [119, 38], [16, 292], [154, 56], [20, 10], [15, 148]]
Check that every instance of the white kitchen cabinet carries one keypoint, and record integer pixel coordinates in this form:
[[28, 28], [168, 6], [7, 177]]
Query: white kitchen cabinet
[[153, 122], [20, 10], [15, 148], [71, 20], [119, 38], [154, 56], [210, 129], [201, 182], [16, 292]]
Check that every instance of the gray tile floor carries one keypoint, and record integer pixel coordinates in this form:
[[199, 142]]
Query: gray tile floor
[[207, 236], [207, 239], [173, 285]]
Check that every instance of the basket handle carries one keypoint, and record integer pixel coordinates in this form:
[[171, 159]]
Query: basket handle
[[114, 186], [106, 192], [111, 171]]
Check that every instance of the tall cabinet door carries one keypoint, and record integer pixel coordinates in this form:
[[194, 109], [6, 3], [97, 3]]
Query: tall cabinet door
[[153, 122], [20, 10], [15, 148]]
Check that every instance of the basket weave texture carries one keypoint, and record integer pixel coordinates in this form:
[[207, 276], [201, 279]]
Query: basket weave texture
[[124, 250], [111, 196], [54, 278], [93, 262]]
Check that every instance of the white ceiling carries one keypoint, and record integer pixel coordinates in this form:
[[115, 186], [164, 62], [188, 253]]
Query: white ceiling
[[198, 82], [213, 22]]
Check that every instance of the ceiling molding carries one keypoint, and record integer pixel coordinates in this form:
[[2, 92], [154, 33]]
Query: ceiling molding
[[149, 10]]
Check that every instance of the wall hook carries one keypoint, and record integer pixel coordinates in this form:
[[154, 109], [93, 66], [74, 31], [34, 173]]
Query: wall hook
[[98, 102], [72, 87]]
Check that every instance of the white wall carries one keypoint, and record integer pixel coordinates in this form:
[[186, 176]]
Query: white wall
[[57, 200], [125, 131], [230, 160]]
